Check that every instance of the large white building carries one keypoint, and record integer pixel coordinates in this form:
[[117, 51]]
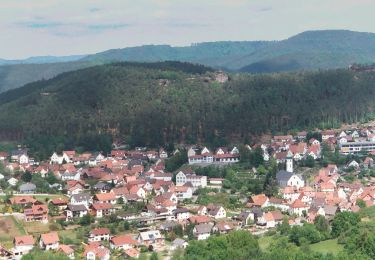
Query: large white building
[[195, 180], [357, 147], [222, 155]]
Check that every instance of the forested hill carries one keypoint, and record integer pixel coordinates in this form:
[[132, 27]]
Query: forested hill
[[310, 50], [177, 102]]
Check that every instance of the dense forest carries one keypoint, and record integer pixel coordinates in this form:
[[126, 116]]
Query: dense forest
[[311, 50], [173, 102]]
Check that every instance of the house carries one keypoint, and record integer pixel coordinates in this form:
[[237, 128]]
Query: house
[[216, 181], [196, 156], [182, 192], [259, 200], [285, 178], [223, 227], [163, 154], [60, 204], [278, 203], [283, 138], [123, 242], [168, 225], [22, 200], [102, 209], [273, 218], [181, 214], [75, 211], [179, 243], [105, 198], [298, 207], [195, 180], [216, 212], [302, 135], [36, 213], [20, 156], [49, 241], [27, 188], [199, 219], [202, 231], [12, 181], [56, 159], [354, 164], [161, 176], [22, 245], [328, 134], [102, 187], [99, 234], [245, 218], [3, 156], [83, 198], [368, 163], [151, 237], [330, 211], [71, 176], [6, 254], [96, 251], [66, 250]]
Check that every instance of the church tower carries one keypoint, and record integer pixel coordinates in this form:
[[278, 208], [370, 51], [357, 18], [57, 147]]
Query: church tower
[[289, 162]]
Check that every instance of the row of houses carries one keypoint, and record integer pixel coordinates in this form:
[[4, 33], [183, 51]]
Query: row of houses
[[222, 155]]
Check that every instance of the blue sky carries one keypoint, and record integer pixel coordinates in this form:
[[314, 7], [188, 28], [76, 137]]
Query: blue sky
[[66, 27]]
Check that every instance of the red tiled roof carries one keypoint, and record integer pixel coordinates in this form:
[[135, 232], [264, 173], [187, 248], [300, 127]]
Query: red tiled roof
[[123, 239], [50, 238], [99, 250], [102, 206], [105, 196], [23, 240], [66, 249], [100, 231], [200, 219]]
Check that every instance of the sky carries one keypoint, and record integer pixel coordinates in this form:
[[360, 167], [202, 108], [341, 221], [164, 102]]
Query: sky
[[68, 27]]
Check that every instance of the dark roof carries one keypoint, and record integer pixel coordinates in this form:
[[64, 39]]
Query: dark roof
[[283, 175], [27, 187], [203, 228], [168, 225], [180, 210], [82, 196], [244, 215], [102, 185], [79, 207]]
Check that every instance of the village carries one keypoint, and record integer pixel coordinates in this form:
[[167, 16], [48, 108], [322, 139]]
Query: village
[[125, 204]]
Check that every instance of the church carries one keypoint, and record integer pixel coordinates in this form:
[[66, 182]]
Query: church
[[288, 177]]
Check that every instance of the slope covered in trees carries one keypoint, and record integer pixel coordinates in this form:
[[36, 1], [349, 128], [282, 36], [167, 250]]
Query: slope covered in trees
[[173, 102], [310, 50]]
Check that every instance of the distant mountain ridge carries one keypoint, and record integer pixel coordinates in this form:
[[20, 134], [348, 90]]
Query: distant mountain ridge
[[311, 50], [42, 59]]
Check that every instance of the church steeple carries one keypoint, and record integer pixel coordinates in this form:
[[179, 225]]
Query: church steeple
[[289, 162]]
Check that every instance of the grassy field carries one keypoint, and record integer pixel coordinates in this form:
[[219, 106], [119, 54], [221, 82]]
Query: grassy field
[[43, 198], [328, 246], [35, 228], [9, 228]]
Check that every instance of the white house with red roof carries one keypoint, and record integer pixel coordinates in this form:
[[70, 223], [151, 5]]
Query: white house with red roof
[[99, 234], [123, 242], [95, 251], [49, 241], [22, 245], [298, 207]]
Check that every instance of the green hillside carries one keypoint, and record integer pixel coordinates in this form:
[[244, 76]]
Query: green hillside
[[173, 102], [310, 50], [17, 75]]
